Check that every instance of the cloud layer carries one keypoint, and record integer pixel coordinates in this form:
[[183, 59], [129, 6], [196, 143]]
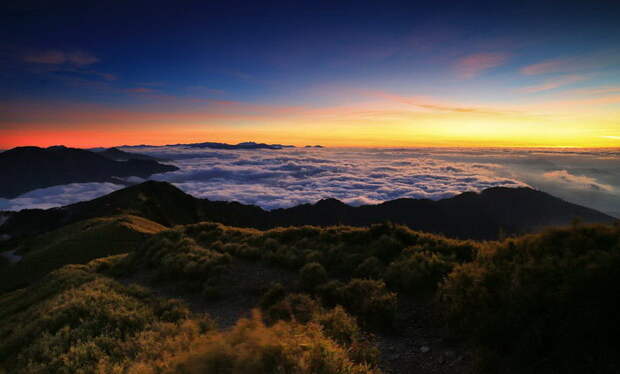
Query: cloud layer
[[50, 197], [283, 178]]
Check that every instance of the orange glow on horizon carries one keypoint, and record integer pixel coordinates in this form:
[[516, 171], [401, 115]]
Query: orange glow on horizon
[[384, 120]]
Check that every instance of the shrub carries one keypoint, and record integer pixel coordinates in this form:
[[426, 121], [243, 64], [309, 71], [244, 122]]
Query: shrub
[[371, 267], [175, 256], [253, 348], [273, 294], [543, 302], [371, 301], [418, 271], [294, 307], [368, 299], [76, 321], [312, 275], [339, 326]]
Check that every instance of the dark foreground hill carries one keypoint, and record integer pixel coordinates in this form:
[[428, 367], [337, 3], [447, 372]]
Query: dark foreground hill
[[27, 168], [484, 215]]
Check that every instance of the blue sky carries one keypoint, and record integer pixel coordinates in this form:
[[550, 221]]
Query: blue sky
[[296, 71]]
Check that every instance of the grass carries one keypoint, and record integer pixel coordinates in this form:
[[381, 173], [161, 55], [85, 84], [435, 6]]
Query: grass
[[77, 320], [540, 303], [77, 243]]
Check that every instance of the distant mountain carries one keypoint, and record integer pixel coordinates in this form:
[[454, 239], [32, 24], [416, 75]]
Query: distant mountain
[[245, 145], [118, 155], [28, 168], [469, 215], [215, 145]]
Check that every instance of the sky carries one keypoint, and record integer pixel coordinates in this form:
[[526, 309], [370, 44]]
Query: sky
[[336, 73]]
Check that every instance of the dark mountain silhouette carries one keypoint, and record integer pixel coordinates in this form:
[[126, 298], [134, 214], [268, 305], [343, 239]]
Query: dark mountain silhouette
[[215, 145], [468, 215], [27, 168], [245, 145], [118, 155]]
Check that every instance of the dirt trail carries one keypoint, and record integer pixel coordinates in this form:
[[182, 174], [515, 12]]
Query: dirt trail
[[414, 346], [418, 345], [244, 284]]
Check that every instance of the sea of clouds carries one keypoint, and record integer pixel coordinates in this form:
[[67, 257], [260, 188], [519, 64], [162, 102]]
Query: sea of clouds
[[287, 177]]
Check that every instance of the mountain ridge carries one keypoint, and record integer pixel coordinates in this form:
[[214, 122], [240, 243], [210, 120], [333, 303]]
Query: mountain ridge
[[29, 168], [468, 215], [217, 145]]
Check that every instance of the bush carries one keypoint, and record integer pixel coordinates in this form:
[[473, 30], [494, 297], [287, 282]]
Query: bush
[[544, 302], [274, 294], [371, 267], [418, 271], [368, 299], [312, 275], [253, 348], [175, 256], [78, 321], [294, 307], [371, 301]]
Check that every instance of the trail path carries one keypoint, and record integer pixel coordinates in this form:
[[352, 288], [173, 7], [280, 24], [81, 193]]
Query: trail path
[[414, 346]]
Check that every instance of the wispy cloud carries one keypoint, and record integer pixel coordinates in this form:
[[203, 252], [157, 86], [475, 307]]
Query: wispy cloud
[[577, 181], [141, 90], [472, 65], [596, 90], [572, 64], [59, 57], [432, 104], [553, 83]]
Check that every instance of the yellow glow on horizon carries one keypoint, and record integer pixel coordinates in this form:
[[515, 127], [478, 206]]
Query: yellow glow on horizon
[[401, 122]]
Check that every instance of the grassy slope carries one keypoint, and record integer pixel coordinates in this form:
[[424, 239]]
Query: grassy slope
[[79, 321], [538, 303], [77, 243]]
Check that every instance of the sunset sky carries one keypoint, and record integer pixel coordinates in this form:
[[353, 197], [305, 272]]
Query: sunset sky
[[377, 73]]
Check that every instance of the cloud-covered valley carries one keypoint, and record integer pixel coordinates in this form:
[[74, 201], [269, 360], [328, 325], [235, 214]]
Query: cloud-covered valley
[[287, 177]]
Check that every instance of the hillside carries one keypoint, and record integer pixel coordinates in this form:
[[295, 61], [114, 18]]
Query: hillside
[[469, 215], [28, 168], [540, 303], [75, 243]]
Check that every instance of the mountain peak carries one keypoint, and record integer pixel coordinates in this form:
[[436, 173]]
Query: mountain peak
[[329, 203], [60, 165]]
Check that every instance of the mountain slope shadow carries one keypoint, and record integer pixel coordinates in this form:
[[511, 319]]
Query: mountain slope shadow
[[470, 215]]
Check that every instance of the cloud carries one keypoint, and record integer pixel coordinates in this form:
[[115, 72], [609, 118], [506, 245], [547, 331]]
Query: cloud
[[472, 65], [577, 181], [553, 83], [283, 178], [573, 64], [549, 66], [141, 90], [596, 90], [50, 197], [58, 57], [432, 104], [289, 177]]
